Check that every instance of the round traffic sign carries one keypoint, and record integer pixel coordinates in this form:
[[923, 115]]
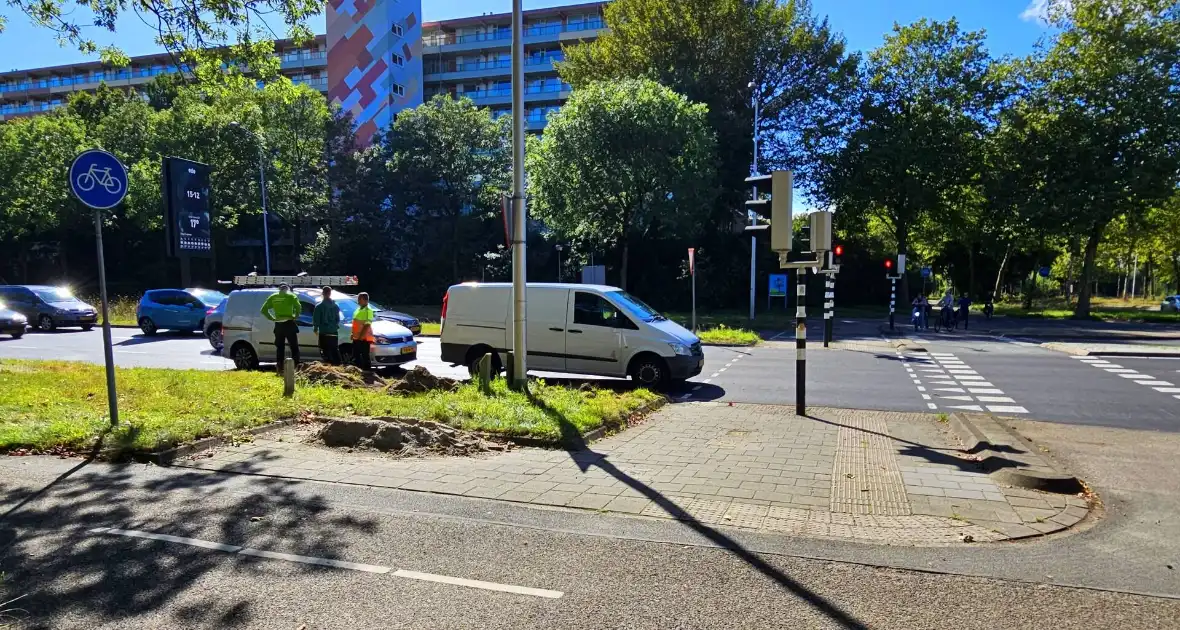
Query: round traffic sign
[[1045, 272], [98, 179]]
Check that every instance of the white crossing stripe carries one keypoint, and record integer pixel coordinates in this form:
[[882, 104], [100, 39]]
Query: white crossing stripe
[[1155, 383], [984, 390], [490, 586], [1006, 409], [966, 398], [1167, 390], [1120, 370], [995, 399], [967, 407], [969, 378], [957, 390], [1136, 376]]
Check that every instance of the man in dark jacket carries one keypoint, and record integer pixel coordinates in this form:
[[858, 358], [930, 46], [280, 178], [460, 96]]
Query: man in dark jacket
[[325, 322]]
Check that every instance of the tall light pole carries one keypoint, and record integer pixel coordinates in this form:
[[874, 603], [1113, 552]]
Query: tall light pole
[[519, 302], [262, 190], [753, 216]]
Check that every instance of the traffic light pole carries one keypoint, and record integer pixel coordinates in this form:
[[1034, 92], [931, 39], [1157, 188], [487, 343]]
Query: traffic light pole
[[829, 305], [800, 342], [892, 298]]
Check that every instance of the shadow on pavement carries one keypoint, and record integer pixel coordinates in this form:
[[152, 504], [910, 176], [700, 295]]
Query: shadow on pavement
[[169, 335], [586, 458], [49, 556]]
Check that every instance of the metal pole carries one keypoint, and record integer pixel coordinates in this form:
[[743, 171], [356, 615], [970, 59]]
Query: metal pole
[[108, 353], [829, 305], [559, 264], [694, 299], [265, 216], [520, 303], [801, 342], [753, 216], [892, 300]]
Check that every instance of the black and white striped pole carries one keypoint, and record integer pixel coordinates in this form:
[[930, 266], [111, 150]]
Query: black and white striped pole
[[801, 341], [892, 299], [829, 305]]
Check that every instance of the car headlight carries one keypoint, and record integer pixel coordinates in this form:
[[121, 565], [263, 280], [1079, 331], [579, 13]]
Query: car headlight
[[20, 318], [383, 341], [681, 349]]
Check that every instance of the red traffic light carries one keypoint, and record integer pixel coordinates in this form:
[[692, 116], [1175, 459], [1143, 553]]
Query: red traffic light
[[838, 250], [889, 263]]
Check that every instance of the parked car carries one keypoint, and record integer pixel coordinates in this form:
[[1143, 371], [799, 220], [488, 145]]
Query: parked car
[[48, 308], [213, 330], [249, 337], [12, 322], [409, 321], [176, 309], [1171, 304], [576, 328]]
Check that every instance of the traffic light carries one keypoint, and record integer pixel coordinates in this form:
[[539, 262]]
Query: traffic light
[[837, 252], [781, 185], [888, 264]]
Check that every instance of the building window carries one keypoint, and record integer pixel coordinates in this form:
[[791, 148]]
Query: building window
[[397, 29], [399, 89], [398, 60]]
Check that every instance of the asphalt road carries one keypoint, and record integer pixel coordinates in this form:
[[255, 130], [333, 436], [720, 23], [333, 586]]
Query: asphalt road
[[596, 571], [866, 373]]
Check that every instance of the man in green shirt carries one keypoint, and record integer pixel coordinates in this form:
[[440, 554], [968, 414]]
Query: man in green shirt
[[283, 309], [362, 332], [325, 322]]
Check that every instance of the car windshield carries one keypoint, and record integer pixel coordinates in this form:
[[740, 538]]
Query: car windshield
[[635, 307], [208, 297], [348, 308], [55, 295]]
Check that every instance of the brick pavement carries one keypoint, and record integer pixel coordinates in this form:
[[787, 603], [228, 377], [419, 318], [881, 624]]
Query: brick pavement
[[884, 477]]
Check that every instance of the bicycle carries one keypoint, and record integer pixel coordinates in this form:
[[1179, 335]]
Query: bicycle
[[99, 177]]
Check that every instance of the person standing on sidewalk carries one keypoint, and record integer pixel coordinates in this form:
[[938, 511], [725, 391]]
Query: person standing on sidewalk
[[362, 332], [964, 309], [325, 322], [283, 308]]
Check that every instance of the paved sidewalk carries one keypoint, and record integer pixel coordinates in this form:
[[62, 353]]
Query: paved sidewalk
[[875, 476]]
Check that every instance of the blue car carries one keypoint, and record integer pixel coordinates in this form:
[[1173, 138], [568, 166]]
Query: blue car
[[176, 309]]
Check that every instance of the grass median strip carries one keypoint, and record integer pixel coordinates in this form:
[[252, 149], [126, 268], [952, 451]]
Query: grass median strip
[[51, 405], [724, 335]]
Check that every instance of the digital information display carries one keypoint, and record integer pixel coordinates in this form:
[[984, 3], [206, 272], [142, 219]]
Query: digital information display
[[187, 209]]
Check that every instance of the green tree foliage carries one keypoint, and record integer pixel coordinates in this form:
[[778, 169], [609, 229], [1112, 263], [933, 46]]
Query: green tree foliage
[[910, 147], [621, 161], [1105, 113]]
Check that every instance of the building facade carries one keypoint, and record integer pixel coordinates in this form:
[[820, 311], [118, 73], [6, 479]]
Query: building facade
[[376, 59]]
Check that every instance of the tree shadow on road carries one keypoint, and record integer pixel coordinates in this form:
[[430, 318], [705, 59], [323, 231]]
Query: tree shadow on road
[[50, 555], [586, 458]]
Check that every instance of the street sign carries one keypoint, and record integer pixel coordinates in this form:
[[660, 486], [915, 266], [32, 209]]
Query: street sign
[[188, 220], [98, 179], [926, 271], [1044, 272], [778, 285]]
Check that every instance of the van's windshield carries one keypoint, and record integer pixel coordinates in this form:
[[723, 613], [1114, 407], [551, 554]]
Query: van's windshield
[[635, 307]]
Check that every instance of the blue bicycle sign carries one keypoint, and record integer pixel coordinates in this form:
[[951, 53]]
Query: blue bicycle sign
[[98, 179]]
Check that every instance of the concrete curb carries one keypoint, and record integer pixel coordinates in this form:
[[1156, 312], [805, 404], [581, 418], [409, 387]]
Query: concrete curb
[[167, 456], [1009, 458], [1133, 351]]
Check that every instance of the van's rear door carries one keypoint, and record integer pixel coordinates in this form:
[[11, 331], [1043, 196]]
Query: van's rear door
[[546, 328]]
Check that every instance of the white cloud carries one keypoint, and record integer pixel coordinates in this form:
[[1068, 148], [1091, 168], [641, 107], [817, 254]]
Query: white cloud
[[1036, 11]]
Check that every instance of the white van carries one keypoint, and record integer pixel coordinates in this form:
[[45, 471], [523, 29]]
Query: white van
[[576, 328], [249, 337]]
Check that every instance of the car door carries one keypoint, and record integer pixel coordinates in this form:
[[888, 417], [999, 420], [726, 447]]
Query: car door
[[594, 336], [168, 310], [547, 313], [190, 311], [309, 342]]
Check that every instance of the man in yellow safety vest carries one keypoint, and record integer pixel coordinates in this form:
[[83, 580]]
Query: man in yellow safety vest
[[362, 332]]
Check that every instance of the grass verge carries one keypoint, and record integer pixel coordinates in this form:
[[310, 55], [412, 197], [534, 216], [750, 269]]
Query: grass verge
[[1101, 309], [431, 329], [724, 335], [50, 405], [121, 308]]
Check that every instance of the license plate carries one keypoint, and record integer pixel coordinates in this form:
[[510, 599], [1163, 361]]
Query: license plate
[[409, 350]]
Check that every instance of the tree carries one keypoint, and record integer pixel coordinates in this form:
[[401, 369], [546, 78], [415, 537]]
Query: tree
[[1106, 108], [622, 160], [450, 163], [911, 144]]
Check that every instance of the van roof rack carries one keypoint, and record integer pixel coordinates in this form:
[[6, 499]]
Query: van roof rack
[[301, 280]]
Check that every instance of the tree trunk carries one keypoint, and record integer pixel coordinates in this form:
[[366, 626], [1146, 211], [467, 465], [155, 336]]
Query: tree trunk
[[1000, 274], [1092, 240], [971, 270], [625, 251], [1176, 269], [455, 248]]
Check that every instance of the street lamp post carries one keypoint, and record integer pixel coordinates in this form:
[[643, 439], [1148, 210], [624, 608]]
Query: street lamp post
[[752, 215], [262, 190], [559, 264]]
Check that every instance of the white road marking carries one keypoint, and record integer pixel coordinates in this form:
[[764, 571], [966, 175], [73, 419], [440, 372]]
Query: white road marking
[[942, 354], [966, 398], [925, 396], [122, 351], [718, 371], [969, 378], [1167, 390], [1155, 383], [336, 564], [984, 390], [10, 346], [995, 399], [967, 407], [934, 406], [1006, 409], [1119, 370], [488, 586], [715, 374], [957, 390], [921, 389], [707, 380], [1136, 375], [917, 382], [944, 382]]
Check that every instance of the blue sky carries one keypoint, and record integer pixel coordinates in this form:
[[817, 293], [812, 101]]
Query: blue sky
[[1009, 24]]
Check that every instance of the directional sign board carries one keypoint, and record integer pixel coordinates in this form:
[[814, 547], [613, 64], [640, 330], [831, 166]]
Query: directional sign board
[[98, 179]]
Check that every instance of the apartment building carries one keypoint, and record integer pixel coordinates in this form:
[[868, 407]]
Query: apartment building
[[376, 59]]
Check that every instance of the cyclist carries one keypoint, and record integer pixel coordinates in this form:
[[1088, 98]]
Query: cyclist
[[921, 306], [964, 309], [946, 308], [988, 306]]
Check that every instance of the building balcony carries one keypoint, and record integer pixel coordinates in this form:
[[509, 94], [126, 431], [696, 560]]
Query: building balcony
[[502, 39], [304, 59], [503, 95], [484, 69]]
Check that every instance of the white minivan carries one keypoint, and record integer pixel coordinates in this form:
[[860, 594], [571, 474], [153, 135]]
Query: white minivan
[[575, 328], [249, 338]]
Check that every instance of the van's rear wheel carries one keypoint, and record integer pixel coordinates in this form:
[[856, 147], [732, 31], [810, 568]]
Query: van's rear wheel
[[474, 357], [244, 357], [650, 371]]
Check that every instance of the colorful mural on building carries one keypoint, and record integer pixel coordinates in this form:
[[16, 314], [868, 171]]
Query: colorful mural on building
[[374, 60]]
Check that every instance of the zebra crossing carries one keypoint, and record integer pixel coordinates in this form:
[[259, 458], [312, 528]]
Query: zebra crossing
[[946, 382], [1162, 386]]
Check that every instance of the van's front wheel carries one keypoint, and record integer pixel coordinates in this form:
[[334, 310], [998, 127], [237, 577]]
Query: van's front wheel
[[474, 357], [650, 371]]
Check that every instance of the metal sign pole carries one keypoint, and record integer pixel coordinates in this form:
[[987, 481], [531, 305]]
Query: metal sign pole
[[829, 305], [801, 342], [108, 352], [520, 303], [892, 299]]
